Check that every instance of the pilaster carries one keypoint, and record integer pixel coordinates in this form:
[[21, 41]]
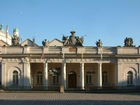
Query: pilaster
[[3, 73], [118, 74], [27, 74]]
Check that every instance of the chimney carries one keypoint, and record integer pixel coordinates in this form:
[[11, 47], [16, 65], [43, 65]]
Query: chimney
[[33, 41], [6, 34]]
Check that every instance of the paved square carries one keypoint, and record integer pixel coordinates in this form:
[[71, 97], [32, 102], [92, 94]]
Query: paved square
[[69, 99]]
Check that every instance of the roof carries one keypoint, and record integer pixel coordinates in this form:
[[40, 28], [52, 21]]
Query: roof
[[55, 42], [3, 42], [56, 39], [28, 40]]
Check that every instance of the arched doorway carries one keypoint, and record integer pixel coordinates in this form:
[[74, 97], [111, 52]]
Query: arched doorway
[[72, 81]]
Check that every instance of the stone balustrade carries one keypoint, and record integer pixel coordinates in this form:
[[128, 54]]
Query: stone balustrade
[[74, 50]]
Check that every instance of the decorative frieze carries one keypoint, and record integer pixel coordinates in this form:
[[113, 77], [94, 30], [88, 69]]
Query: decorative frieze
[[13, 60], [38, 60], [129, 60]]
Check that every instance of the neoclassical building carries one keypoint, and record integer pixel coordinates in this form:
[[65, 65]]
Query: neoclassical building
[[68, 63]]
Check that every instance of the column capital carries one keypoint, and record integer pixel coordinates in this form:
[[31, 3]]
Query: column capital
[[64, 63], [3, 62], [118, 63], [99, 64], [82, 63], [45, 63]]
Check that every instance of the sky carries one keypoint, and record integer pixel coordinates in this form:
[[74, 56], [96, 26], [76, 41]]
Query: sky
[[111, 21]]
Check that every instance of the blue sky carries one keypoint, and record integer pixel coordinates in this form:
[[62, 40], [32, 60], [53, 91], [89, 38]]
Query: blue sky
[[109, 20]]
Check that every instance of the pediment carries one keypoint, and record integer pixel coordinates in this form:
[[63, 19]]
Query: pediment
[[28, 42]]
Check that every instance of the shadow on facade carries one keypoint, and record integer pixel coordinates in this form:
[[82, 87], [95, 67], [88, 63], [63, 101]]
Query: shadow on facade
[[68, 102], [23, 84], [122, 88]]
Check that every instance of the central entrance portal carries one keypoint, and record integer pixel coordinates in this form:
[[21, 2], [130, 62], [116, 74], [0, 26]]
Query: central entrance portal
[[72, 79]]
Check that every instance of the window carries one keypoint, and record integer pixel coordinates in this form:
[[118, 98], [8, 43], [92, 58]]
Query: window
[[130, 78], [55, 72], [55, 79], [15, 77], [104, 77], [39, 77], [89, 76]]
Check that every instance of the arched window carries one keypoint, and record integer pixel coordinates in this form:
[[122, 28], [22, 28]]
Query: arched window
[[39, 77], [130, 78], [15, 77], [104, 77]]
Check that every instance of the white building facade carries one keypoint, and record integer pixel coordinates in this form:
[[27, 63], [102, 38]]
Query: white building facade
[[70, 65]]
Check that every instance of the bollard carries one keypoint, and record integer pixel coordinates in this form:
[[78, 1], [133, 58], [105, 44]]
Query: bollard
[[61, 89]]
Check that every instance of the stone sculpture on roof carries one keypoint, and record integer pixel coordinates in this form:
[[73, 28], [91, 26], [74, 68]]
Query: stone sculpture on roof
[[128, 42], [15, 38], [1, 27], [99, 43], [45, 43], [72, 40]]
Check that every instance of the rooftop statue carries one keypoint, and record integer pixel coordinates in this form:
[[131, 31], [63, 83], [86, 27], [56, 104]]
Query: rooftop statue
[[15, 38], [65, 40], [99, 43], [1, 27], [72, 40], [128, 42], [45, 42]]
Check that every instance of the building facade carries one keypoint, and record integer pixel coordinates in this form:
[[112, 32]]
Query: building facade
[[70, 64]]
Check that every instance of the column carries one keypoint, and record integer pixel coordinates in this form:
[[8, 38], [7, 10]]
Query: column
[[27, 74], [64, 74], [82, 75], [99, 75], [46, 75]]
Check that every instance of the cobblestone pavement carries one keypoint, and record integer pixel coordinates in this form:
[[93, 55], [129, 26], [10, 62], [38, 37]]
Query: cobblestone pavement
[[69, 99]]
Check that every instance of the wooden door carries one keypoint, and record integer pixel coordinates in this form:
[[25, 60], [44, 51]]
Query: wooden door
[[72, 80]]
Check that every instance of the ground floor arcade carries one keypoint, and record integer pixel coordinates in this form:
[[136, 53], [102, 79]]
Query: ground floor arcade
[[72, 75]]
